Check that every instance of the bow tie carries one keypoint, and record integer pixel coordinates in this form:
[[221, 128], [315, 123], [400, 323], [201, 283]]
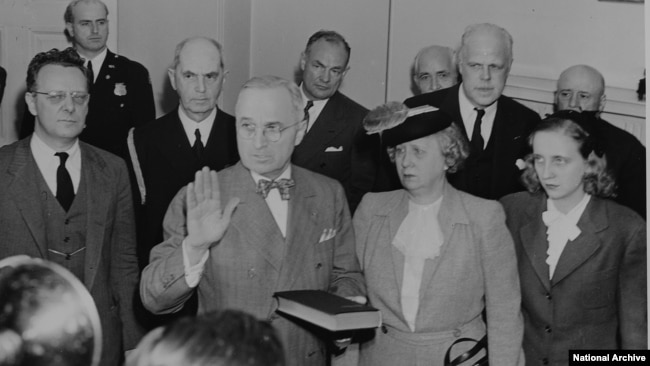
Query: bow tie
[[283, 185]]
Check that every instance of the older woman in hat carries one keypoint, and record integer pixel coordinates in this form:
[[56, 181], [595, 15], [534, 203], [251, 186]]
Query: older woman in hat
[[434, 258], [581, 257]]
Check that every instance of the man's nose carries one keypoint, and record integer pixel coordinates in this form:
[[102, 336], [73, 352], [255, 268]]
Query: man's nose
[[574, 102], [485, 73], [259, 140], [200, 83], [68, 104]]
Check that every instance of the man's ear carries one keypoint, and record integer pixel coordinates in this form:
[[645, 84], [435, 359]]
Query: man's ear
[[171, 73], [303, 61], [300, 133], [602, 102], [31, 103], [69, 27], [347, 68]]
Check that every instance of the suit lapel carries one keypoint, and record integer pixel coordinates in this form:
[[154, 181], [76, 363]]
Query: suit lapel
[[329, 124], [26, 194], [93, 171], [451, 213], [303, 215], [533, 240], [264, 236], [105, 72], [396, 212], [575, 253], [451, 105], [174, 145]]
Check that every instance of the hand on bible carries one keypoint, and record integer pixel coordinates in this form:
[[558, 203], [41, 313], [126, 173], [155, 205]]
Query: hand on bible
[[206, 222]]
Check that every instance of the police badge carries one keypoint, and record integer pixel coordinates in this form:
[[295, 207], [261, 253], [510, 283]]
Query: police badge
[[120, 89]]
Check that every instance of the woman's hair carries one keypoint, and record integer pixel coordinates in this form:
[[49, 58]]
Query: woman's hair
[[454, 146], [597, 179], [226, 338]]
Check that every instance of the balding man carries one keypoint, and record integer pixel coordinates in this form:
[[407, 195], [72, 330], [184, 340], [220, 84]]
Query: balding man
[[582, 88], [434, 69], [496, 125], [195, 134], [291, 228]]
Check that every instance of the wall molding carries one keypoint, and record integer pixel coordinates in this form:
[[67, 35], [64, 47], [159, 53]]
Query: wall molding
[[622, 108]]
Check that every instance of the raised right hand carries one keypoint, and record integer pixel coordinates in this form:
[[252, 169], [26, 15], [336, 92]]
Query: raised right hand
[[206, 222]]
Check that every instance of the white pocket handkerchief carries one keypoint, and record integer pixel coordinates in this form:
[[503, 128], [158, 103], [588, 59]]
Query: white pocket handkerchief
[[327, 235], [334, 149]]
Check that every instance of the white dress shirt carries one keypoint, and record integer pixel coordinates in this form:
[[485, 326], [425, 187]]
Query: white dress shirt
[[279, 209], [468, 113], [190, 126], [561, 229], [418, 238], [315, 110], [48, 163], [97, 61]]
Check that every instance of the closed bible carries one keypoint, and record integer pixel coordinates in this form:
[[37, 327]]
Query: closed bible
[[326, 310]]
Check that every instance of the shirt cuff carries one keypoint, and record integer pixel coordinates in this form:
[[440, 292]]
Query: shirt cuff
[[193, 273]]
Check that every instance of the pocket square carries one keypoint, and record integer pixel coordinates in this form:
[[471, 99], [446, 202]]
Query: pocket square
[[327, 235], [334, 149]]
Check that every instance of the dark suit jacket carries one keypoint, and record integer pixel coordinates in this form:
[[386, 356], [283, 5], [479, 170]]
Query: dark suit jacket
[[121, 98], [597, 296], [512, 124], [626, 161], [337, 146], [253, 260], [111, 269], [168, 164]]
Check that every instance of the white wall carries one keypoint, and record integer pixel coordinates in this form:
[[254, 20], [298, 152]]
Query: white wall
[[549, 35], [150, 29], [280, 29], [266, 37]]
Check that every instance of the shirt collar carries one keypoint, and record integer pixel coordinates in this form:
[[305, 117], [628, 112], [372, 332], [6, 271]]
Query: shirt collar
[[466, 107], [572, 216], [305, 99], [97, 61], [189, 125], [286, 174], [42, 149]]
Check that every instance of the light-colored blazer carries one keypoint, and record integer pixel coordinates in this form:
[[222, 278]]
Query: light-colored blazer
[[476, 269], [111, 268], [253, 260], [597, 296]]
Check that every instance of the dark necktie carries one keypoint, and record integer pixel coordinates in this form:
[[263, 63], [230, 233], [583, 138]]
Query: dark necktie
[[477, 139], [198, 145], [310, 103], [91, 74], [64, 189], [283, 185]]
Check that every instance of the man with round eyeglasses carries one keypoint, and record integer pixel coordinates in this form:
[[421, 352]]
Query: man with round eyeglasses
[[260, 226], [70, 203]]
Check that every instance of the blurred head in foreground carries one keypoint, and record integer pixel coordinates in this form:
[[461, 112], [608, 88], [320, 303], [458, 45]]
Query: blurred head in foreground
[[225, 338], [47, 316]]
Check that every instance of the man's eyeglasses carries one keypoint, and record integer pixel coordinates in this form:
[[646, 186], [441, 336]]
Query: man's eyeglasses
[[273, 132], [58, 96]]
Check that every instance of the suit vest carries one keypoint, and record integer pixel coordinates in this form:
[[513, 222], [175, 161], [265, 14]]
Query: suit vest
[[476, 176], [65, 231]]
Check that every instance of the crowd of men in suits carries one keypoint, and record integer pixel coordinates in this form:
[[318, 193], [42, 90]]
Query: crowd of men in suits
[[94, 165]]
